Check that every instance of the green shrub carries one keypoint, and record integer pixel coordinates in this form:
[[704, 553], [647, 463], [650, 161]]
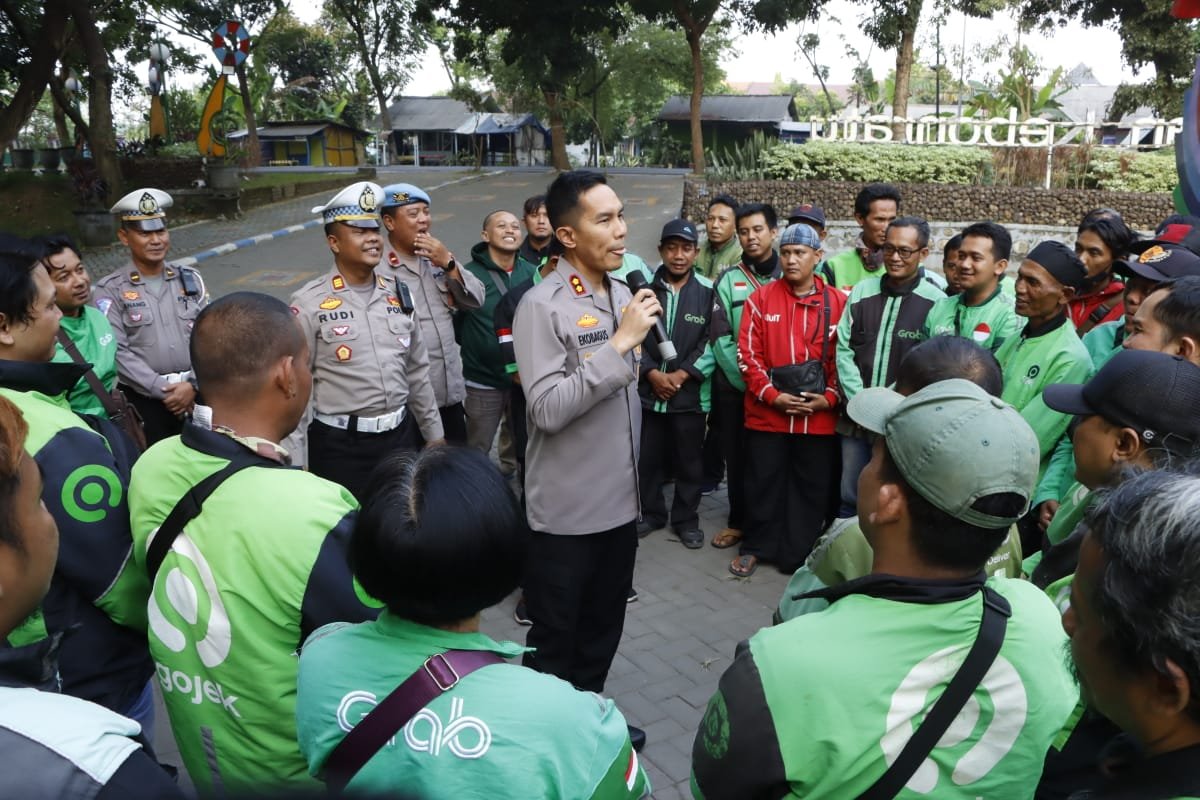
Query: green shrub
[[745, 161], [1131, 171], [857, 162]]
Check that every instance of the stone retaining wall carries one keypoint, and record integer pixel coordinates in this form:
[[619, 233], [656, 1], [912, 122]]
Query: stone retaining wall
[[1006, 205]]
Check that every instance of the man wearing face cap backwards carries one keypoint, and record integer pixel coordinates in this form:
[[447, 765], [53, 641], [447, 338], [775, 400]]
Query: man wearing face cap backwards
[[1048, 349]]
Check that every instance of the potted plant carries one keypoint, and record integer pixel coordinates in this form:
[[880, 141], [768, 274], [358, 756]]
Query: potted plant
[[224, 174], [47, 156], [22, 155], [93, 220]]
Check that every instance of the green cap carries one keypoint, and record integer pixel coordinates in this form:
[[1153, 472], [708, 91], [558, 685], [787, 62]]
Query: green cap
[[955, 444]]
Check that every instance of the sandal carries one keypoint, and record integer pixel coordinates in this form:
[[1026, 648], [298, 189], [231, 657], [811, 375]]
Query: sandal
[[743, 566], [727, 537]]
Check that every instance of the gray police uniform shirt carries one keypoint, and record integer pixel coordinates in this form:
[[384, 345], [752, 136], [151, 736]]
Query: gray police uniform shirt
[[366, 354], [582, 406], [152, 322], [436, 295]]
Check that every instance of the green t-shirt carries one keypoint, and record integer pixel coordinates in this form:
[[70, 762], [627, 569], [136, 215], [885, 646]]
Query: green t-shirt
[[844, 554], [258, 570], [988, 324], [820, 705], [1032, 363], [92, 333], [502, 731]]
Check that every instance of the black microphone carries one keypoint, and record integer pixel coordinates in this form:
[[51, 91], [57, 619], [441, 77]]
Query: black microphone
[[666, 348]]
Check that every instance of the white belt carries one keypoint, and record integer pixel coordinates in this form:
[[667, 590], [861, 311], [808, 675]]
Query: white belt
[[176, 377], [381, 424]]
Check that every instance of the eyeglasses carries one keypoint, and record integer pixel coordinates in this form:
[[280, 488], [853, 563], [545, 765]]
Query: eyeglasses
[[904, 252]]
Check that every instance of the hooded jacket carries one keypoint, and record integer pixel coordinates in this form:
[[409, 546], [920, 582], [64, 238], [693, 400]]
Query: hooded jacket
[[482, 359]]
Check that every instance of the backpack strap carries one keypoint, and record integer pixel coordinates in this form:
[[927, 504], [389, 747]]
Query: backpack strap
[[188, 507], [93, 381], [992, 627], [440, 673]]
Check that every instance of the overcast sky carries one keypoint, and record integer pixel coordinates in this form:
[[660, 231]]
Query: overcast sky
[[760, 58]]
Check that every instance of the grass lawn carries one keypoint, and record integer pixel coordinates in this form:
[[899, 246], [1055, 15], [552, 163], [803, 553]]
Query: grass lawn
[[37, 204]]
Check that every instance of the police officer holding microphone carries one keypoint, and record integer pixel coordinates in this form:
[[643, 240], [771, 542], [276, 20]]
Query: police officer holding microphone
[[577, 337], [370, 366]]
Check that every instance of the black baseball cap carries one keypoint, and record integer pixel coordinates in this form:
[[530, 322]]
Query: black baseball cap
[[807, 212], [679, 229], [1160, 262], [1154, 393]]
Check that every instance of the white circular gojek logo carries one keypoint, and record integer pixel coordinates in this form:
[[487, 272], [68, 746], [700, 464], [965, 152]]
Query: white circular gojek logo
[[207, 619], [912, 699]]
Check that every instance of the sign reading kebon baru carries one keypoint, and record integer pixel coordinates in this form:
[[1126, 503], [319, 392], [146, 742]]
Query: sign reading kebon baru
[[991, 131]]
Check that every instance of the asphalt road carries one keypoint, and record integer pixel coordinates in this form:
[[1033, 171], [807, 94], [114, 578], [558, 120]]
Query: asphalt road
[[281, 266]]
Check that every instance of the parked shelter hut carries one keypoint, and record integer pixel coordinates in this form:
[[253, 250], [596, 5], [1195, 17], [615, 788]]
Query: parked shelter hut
[[728, 119], [308, 143]]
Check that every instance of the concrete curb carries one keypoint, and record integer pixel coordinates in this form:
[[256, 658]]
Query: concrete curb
[[229, 247]]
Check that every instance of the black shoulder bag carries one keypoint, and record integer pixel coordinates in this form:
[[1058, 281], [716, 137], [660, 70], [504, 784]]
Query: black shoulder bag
[[992, 627], [808, 377]]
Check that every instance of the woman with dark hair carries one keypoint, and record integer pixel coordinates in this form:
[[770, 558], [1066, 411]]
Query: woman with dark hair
[[440, 538], [82, 323], [53, 745], [843, 553], [1103, 238]]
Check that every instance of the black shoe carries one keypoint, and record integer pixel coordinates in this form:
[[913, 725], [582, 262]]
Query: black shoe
[[645, 527], [708, 487], [521, 613], [633, 595], [637, 737], [692, 538]]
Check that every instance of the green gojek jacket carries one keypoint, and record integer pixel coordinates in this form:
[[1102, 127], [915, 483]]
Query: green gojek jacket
[[1032, 361], [794, 720], [260, 568], [93, 334], [730, 290], [988, 324], [504, 731], [85, 487]]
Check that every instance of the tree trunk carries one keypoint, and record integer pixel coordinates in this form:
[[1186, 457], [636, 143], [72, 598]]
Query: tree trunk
[[102, 138], [254, 156], [904, 65], [45, 45], [693, 38], [558, 131]]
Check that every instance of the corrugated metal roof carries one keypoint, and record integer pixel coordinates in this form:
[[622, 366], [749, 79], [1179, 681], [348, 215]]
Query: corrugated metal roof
[[486, 123], [731, 108], [426, 114]]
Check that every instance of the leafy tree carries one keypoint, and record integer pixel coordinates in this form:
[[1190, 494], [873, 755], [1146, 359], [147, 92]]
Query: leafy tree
[[543, 41], [1017, 88], [197, 19], [386, 39], [1149, 36]]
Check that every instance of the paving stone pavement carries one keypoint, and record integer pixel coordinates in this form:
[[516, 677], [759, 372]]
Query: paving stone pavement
[[679, 638]]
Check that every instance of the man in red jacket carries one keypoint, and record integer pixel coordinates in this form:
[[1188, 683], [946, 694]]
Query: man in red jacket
[[787, 350]]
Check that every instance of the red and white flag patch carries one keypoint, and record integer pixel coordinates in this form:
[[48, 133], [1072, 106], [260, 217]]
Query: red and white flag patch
[[981, 333]]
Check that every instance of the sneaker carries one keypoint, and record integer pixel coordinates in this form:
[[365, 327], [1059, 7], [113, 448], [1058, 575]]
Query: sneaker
[[708, 487], [646, 527], [521, 613], [633, 595], [692, 538]]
